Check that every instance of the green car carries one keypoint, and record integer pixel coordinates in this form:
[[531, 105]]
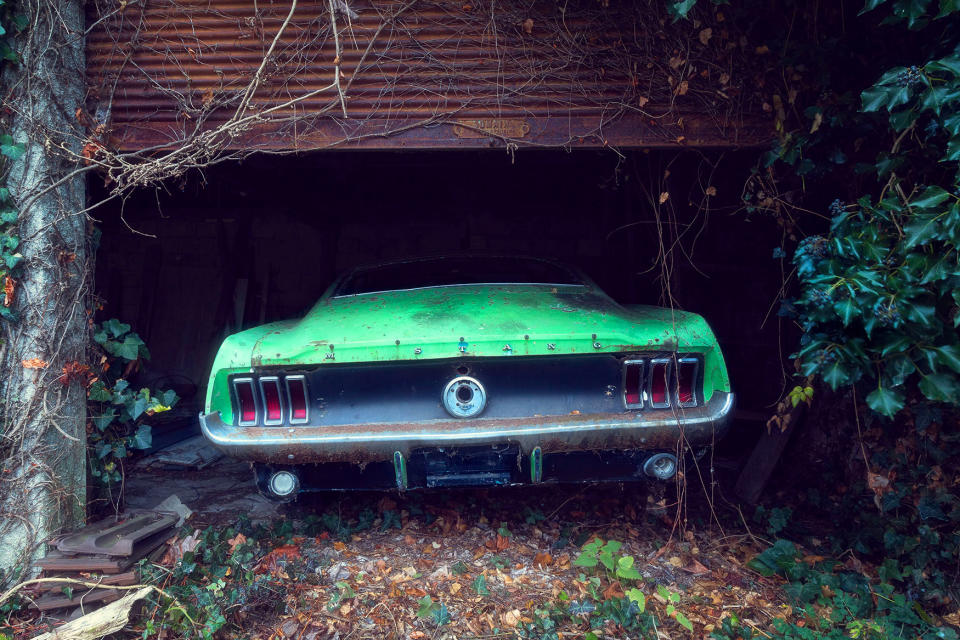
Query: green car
[[467, 371]]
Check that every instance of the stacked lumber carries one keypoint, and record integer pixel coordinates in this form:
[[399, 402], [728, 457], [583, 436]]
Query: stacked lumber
[[102, 553]]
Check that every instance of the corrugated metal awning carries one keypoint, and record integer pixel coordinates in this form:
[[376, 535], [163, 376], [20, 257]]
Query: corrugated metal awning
[[417, 74]]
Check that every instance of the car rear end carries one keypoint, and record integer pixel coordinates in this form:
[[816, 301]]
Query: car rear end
[[473, 421]]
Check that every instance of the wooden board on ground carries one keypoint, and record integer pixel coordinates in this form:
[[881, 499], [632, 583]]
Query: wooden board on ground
[[80, 596]]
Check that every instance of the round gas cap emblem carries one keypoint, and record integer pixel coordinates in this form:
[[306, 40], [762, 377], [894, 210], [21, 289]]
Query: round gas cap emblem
[[464, 397]]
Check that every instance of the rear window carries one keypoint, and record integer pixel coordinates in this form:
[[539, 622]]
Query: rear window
[[443, 272]]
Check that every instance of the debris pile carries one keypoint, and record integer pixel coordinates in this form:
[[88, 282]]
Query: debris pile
[[102, 553]]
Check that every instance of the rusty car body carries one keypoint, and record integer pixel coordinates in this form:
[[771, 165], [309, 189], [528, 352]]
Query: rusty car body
[[466, 370]]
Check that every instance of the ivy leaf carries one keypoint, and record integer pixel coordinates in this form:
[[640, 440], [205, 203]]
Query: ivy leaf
[[889, 98], [885, 401], [99, 393], [103, 421], [949, 355], [582, 608], [953, 149], [930, 198], [900, 367], [143, 438], [480, 585], [950, 64], [921, 230], [870, 6], [12, 151], [835, 375], [681, 9], [947, 7], [940, 387], [847, 309], [139, 406], [129, 349], [426, 607]]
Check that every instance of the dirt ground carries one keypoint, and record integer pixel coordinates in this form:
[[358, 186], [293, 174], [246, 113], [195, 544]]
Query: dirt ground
[[481, 563]]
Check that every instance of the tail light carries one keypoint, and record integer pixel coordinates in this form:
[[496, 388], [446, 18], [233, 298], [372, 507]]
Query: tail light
[[272, 406], [246, 401], [297, 394], [271, 400], [687, 382], [659, 383], [633, 383]]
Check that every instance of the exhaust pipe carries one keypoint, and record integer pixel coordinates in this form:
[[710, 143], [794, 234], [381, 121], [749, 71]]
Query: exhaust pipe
[[280, 485], [661, 466]]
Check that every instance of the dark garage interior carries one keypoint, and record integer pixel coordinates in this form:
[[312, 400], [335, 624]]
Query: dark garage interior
[[246, 243]]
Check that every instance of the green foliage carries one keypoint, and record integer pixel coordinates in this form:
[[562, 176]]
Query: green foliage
[[211, 582], [880, 305], [857, 608], [598, 552], [117, 411], [879, 299], [435, 611], [776, 519], [680, 8], [480, 585], [10, 256], [800, 394]]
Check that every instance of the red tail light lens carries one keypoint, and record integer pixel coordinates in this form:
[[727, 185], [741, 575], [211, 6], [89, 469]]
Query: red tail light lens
[[659, 383], [245, 401], [273, 409], [633, 382], [297, 392], [686, 382]]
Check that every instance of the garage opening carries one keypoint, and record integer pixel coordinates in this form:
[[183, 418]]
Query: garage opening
[[247, 243]]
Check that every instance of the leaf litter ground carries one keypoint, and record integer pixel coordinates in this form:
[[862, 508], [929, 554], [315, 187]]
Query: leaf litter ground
[[502, 562], [445, 564]]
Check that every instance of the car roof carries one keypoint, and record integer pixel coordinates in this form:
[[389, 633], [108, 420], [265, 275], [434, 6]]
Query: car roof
[[336, 289]]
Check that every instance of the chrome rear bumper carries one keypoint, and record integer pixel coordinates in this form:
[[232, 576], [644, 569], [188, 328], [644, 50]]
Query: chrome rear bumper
[[644, 430]]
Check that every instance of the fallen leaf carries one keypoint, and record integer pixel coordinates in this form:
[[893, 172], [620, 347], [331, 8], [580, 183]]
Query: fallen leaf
[[236, 541], [455, 588], [34, 363], [696, 568], [705, 35], [9, 288], [542, 559], [675, 561], [339, 546], [511, 618], [817, 121], [613, 591]]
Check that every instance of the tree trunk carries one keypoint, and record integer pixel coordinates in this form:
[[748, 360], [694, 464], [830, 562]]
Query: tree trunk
[[42, 416]]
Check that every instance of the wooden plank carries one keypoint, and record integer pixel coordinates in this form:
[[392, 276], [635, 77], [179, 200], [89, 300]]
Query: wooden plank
[[82, 596], [56, 561], [118, 579], [764, 458]]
